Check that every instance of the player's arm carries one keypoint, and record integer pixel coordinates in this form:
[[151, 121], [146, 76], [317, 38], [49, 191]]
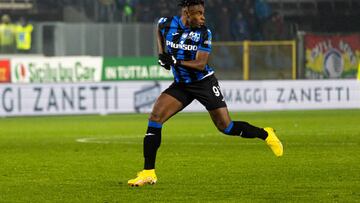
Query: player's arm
[[202, 54], [160, 42], [199, 63], [161, 50]]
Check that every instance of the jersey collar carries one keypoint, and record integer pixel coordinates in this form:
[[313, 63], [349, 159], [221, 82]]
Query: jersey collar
[[181, 24]]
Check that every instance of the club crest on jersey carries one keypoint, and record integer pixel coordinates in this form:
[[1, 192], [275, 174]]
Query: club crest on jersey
[[194, 36]]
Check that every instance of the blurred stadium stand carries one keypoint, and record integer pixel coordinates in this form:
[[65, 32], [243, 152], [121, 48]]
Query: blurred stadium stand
[[320, 15], [306, 14], [126, 27], [239, 19], [314, 15]]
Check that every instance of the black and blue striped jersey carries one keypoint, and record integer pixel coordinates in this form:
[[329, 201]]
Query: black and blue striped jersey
[[183, 43]]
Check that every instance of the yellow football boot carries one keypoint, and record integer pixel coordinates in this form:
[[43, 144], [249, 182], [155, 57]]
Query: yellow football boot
[[144, 177], [273, 142]]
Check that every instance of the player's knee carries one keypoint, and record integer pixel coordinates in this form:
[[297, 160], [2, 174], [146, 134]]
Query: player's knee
[[155, 117]]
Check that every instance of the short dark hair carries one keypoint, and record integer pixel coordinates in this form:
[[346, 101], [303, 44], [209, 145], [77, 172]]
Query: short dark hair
[[186, 3]]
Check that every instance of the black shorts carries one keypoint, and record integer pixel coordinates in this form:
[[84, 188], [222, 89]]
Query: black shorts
[[206, 91]]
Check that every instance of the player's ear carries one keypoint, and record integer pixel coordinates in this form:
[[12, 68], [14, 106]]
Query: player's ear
[[185, 12]]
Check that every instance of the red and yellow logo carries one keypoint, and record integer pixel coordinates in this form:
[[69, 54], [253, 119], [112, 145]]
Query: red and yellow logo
[[4, 71]]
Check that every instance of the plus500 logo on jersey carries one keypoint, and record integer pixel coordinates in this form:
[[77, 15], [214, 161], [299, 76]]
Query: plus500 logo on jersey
[[185, 47]]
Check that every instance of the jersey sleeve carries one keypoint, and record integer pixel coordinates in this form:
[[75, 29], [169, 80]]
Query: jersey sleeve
[[205, 41], [161, 24]]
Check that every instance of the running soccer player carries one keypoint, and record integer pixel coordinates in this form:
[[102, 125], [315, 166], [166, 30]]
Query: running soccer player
[[184, 45]]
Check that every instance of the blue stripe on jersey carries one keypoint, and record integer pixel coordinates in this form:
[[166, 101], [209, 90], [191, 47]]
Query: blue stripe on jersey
[[180, 53], [199, 75], [208, 69], [180, 57], [175, 73], [185, 74], [208, 48], [173, 27], [180, 23]]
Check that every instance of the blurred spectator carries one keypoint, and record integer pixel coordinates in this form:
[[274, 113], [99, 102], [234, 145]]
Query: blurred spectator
[[224, 19], [107, 10], [262, 10], [163, 8], [23, 36], [254, 26], [247, 8], [233, 6], [274, 30], [144, 13], [274, 27], [240, 28], [223, 58], [128, 12], [227, 19], [211, 19], [7, 35]]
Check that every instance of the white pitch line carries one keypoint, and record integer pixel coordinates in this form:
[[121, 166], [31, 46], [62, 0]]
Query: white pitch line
[[120, 140]]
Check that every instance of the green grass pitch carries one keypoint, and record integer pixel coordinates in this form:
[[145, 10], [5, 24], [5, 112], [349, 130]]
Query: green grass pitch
[[90, 159]]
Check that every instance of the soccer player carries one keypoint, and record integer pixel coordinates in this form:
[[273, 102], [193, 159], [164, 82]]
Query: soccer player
[[184, 45]]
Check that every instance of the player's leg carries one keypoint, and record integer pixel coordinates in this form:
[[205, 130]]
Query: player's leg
[[208, 93], [173, 100], [223, 122], [165, 107]]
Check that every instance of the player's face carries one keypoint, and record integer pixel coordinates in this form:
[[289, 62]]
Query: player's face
[[196, 15]]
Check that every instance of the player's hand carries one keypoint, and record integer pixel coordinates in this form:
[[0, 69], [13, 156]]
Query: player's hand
[[169, 59], [163, 63]]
